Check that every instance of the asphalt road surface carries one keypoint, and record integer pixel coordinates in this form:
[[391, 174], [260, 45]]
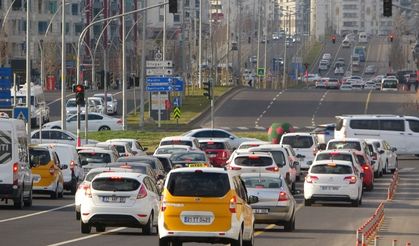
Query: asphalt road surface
[[52, 222]]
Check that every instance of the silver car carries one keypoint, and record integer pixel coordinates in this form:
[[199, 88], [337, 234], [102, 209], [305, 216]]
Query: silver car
[[276, 204]]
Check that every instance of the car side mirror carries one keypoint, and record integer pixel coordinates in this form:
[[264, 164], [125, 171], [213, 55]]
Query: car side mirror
[[321, 146], [253, 199], [63, 167]]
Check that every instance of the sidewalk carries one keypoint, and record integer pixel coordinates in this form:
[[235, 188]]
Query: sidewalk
[[401, 220]]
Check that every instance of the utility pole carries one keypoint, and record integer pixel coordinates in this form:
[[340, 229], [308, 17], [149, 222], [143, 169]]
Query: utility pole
[[63, 66], [258, 46], [142, 70], [200, 46], [28, 72], [266, 42], [124, 85], [228, 44], [239, 30]]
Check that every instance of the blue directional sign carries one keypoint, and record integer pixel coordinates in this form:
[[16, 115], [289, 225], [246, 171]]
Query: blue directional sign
[[5, 86], [158, 88], [153, 80], [178, 85], [176, 101], [21, 113]]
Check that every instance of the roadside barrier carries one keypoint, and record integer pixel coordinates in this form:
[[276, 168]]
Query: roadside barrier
[[393, 185], [369, 229]]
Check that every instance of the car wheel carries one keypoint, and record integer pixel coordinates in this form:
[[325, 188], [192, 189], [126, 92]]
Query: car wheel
[[148, 228], [61, 193], [163, 242], [239, 241], [177, 243], [251, 241], [18, 202], [85, 228], [293, 190], [28, 201], [104, 128], [78, 216], [307, 202], [100, 228], [290, 225]]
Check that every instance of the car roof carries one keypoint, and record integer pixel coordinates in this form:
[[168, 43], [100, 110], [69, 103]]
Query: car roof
[[264, 154], [253, 142], [346, 140], [133, 175], [297, 134], [340, 162], [121, 140], [180, 137], [174, 146], [193, 169], [272, 175], [267, 147], [96, 150], [107, 169], [102, 94], [53, 145], [216, 140]]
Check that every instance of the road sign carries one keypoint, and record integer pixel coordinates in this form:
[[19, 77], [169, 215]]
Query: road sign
[[176, 101], [157, 88], [178, 85], [177, 113], [159, 71], [5, 86], [261, 71], [158, 56], [166, 63], [21, 113], [154, 80]]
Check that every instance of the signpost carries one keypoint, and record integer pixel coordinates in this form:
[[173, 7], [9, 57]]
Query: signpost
[[5, 87], [177, 113], [261, 72], [21, 113]]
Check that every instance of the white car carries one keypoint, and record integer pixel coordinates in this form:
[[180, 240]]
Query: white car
[[97, 122], [120, 199], [56, 136], [345, 87], [85, 185], [388, 155], [324, 64], [96, 157], [180, 140], [333, 181], [111, 102], [123, 148], [253, 162], [71, 107], [339, 70], [168, 150], [134, 144], [327, 56], [99, 104], [215, 133], [68, 156], [370, 85], [304, 144], [311, 77]]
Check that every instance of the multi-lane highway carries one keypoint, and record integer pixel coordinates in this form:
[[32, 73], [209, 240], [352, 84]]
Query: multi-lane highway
[[52, 222]]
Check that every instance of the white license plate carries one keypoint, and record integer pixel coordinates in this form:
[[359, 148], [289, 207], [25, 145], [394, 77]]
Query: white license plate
[[197, 219], [329, 187], [260, 210], [113, 199], [212, 155]]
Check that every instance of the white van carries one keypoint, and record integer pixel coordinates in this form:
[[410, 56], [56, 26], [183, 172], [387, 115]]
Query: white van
[[362, 37], [39, 107], [401, 132], [15, 170]]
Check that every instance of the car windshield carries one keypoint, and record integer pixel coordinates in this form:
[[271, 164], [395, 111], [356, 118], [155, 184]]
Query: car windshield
[[344, 145], [115, 184], [198, 184], [334, 156], [93, 157], [178, 142], [262, 182], [331, 169], [108, 98], [253, 161], [189, 157], [302, 142], [39, 156], [390, 83], [169, 150]]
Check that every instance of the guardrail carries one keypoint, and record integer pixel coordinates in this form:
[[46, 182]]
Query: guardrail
[[369, 229], [393, 185]]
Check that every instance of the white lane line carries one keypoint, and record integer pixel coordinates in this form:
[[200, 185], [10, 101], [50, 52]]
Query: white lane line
[[313, 119], [87, 237], [267, 108], [37, 213], [367, 102]]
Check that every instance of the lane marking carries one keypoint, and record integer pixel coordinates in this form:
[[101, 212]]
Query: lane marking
[[367, 102], [299, 206], [37, 213], [313, 118], [87, 237], [267, 109]]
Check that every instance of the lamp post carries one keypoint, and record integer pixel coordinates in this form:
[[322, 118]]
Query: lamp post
[[28, 71]]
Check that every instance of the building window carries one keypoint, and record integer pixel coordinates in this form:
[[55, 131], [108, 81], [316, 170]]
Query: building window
[[17, 5], [42, 27], [161, 18], [78, 28], [52, 7], [176, 18], [74, 9], [67, 28], [187, 3]]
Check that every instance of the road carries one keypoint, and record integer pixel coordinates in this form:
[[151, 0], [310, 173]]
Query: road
[[52, 222]]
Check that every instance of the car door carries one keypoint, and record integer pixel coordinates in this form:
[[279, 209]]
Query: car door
[[72, 122], [413, 136], [153, 199], [391, 155], [394, 132], [246, 209], [67, 139], [95, 121]]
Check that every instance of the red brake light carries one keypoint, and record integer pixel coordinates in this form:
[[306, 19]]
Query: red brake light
[[142, 193], [351, 179], [87, 191], [282, 196], [233, 168], [15, 175], [210, 142], [365, 167], [163, 206], [15, 167], [272, 169], [116, 177], [233, 204], [259, 186], [311, 178]]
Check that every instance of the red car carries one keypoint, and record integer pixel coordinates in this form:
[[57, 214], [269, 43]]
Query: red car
[[368, 181], [218, 151]]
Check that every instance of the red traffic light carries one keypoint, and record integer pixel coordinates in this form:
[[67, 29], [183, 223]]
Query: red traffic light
[[79, 89]]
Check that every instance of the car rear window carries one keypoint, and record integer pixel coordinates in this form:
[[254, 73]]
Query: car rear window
[[198, 184], [361, 159], [38, 156], [93, 157], [344, 145], [211, 145], [169, 150], [331, 169], [91, 175], [262, 182], [178, 142], [120, 149], [115, 184], [334, 156], [253, 161], [300, 142], [188, 157]]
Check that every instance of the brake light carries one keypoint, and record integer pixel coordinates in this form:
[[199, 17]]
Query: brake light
[[365, 167], [233, 204], [72, 165], [310, 178], [88, 191], [15, 167], [351, 179], [15, 175], [282, 196], [253, 157], [234, 168], [52, 170], [272, 169], [163, 206], [119, 122], [222, 155], [142, 193]]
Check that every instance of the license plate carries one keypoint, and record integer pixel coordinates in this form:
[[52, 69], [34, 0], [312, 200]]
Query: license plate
[[197, 165], [113, 199], [212, 155], [206, 220], [260, 210], [329, 187]]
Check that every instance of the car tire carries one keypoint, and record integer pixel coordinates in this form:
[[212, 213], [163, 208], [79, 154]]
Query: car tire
[[61, 193], [239, 241], [86, 228], [289, 226], [164, 242], [148, 228], [100, 228], [28, 201], [177, 243], [104, 128], [251, 241], [307, 202], [18, 202], [78, 215]]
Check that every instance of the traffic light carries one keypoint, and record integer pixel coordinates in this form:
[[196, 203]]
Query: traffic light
[[79, 90], [387, 8], [173, 6], [334, 39], [208, 90]]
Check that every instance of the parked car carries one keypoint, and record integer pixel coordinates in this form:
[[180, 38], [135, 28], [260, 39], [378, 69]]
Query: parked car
[[253, 162], [169, 150], [194, 158], [180, 140], [388, 155]]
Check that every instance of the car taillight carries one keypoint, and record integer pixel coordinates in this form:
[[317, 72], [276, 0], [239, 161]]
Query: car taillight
[[351, 179], [163, 206], [119, 122], [15, 173], [72, 165], [88, 191], [282, 196], [142, 193], [222, 155], [272, 169], [52, 170], [233, 168], [311, 178], [365, 167], [233, 204]]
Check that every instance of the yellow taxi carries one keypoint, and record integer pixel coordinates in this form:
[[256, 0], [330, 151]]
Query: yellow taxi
[[47, 175], [204, 204]]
